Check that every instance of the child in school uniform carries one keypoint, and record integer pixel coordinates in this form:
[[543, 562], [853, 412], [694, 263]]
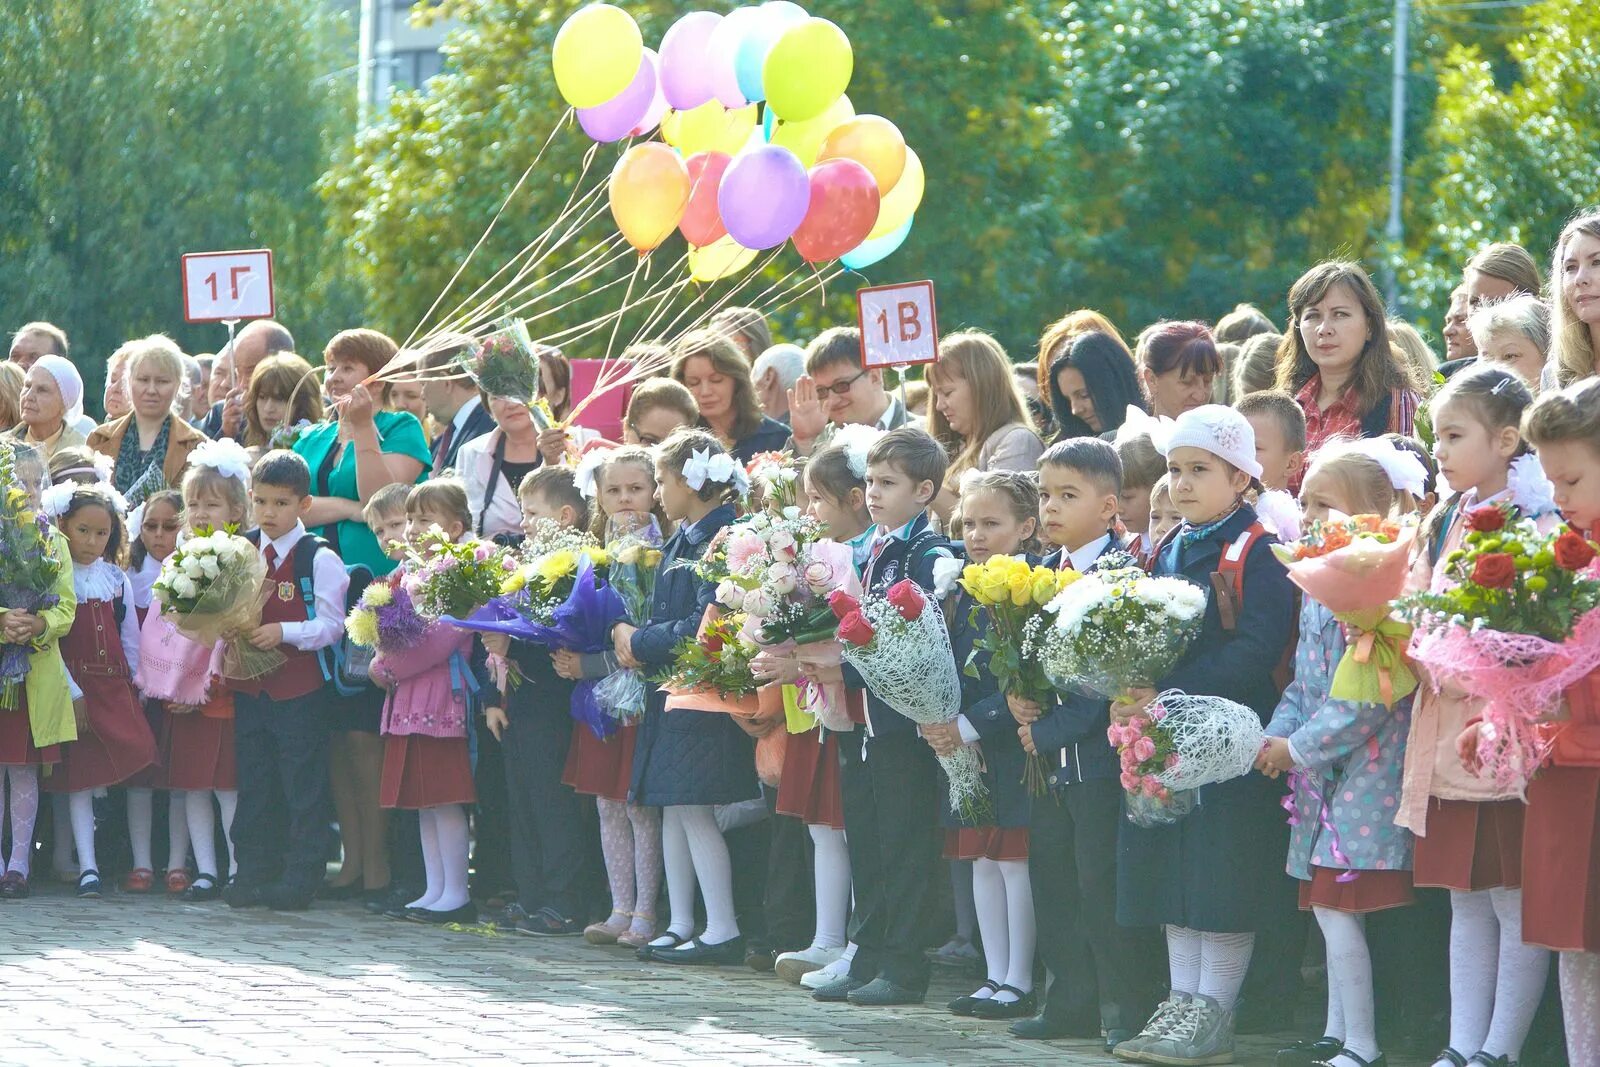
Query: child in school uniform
[[1098, 977], [426, 765], [1344, 849], [999, 516], [1468, 830], [686, 761], [31, 734], [1279, 423], [102, 653], [1209, 877], [1164, 517], [281, 720], [1142, 466], [890, 780]]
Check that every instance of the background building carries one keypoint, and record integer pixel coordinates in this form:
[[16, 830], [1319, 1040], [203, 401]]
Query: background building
[[391, 52]]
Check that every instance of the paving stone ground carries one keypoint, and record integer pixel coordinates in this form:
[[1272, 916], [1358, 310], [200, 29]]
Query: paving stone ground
[[144, 980]]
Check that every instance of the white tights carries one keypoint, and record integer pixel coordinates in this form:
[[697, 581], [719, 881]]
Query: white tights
[[140, 820], [445, 849], [1351, 1015], [202, 822], [695, 853], [22, 785], [1495, 980], [1207, 964], [1003, 897], [80, 806], [831, 875], [1580, 1004]]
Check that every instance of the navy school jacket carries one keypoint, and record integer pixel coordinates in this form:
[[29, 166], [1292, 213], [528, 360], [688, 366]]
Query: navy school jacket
[[986, 709]]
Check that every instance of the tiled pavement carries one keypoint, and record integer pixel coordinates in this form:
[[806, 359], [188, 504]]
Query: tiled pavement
[[137, 981]]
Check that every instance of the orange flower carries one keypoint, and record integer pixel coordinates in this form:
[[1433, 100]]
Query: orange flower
[[1335, 538]]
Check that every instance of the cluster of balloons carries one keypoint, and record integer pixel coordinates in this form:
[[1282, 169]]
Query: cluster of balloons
[[760, 145]]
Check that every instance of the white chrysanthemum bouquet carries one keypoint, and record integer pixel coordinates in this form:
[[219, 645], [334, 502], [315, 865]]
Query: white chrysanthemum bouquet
[[212, 587]]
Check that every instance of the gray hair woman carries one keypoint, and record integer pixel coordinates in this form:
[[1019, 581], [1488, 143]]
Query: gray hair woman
[[1515, 334]]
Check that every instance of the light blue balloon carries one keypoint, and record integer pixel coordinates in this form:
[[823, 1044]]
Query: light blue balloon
[[752, 52], [867, 253], [769, 124]]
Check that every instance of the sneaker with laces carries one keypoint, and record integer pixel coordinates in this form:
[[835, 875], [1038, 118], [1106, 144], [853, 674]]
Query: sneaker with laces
[[1167, 1013], [1202, 1037], [956, 952]]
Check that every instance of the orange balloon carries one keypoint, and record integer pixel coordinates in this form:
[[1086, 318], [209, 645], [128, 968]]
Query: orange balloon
[[872, 141], [649, 192]]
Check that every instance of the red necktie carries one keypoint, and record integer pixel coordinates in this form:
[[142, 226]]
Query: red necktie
[[1066, 561], [271, 555], [442, 448]]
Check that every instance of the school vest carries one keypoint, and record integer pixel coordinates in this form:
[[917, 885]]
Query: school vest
[[302, 672]]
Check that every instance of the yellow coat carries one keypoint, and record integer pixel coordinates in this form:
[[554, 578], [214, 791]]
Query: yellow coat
[[49, 700]]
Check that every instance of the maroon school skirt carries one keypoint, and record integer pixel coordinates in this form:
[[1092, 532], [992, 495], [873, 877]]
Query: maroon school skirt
[[155, 775], [986, 843], [1367, 891], [117, 745], [16, 740], [1561, 860], [198, 752], [599, 768], [425, 772], [1471, 845], [809, 788]]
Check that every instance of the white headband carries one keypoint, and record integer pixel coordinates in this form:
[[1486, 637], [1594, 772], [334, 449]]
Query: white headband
[[225, 456], [55, 500], [1219, 430], [703, 467]]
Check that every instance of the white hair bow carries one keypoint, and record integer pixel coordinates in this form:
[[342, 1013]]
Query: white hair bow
[[1404, 469], [857, 440], [703, 467], [1530, 490], [227, 457], [55, 500], [1139, 423], [586, 473]]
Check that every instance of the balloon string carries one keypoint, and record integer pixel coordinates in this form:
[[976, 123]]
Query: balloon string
[[602, 256], [485, 235]]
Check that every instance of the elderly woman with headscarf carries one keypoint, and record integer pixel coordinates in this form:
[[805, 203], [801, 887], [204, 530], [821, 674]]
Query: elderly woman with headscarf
[[51, 390]]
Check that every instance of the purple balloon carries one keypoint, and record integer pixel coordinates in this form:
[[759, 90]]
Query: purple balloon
[[685, 72], [617, 117], [764, 196]]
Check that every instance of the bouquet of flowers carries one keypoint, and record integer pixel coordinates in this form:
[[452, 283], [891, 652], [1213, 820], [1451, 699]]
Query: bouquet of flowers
[[445, 577], [385, 619], [542, 584], [711, 672], [901, 647], [285, 436], [506, 364], [1014, 595], [29, 566], [1518, 626], [777, 475], [1178, 744], [212, 588], [1355, 566], [635, 550], [762, 571], [1119, 628]]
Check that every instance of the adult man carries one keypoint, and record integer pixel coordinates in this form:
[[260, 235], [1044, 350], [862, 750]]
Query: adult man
[[452, 399], [775, 373], [835, 391], [254, 343], [37, 339], [200, 395], [221, 375]]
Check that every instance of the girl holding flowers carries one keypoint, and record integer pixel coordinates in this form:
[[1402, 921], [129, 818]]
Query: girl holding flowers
[[1469, 830]]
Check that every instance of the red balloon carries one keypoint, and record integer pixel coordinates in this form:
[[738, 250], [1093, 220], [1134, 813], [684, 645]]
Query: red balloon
[[844, 208], [702, 222]]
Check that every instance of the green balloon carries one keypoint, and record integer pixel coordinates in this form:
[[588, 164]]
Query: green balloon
[[807, 70]]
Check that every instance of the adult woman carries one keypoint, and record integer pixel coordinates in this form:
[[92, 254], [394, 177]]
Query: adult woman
[[11, 378], [1514, 334], [152, 442], [406, 395], [50, 390], [362, 449], [978, 414], [1575, 282], [1060, 334], [114, 399], [1499, 271], [657, 407], [1337, 361], [1178, 364], [710, 367], [493, 465], [1092, 383], [283, 392]]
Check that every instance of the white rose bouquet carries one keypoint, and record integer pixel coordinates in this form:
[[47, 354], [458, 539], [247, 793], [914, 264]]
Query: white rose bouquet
[[212, 588]]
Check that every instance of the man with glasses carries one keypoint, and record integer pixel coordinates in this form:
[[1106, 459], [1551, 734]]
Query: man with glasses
[[836, 391]]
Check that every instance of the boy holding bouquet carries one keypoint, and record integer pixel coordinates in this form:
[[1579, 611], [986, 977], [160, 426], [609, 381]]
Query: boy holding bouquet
[[1072, 858]]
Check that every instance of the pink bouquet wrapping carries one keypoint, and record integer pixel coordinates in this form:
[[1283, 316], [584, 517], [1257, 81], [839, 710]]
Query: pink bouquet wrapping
[[173, 666]]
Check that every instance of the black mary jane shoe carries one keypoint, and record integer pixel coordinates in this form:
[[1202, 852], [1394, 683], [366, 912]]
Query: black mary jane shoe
[[1305, 1053], [467, 914], [698, 953], [964, 1005], [203, 888], [348, 891], [646, 953], [89, 885], [1344, 1057], [1023, 1007]]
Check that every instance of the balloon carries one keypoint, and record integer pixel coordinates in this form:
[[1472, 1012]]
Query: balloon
[[723, 49], [655, 112], [701, 224], [716, 261], [649, 191], [807, 69], [708, 128], [596, 54], [685, 66], [764, 197], [872, 141], [619, 116], [874, 249], [805, 139], [844, 205], [775, 17], [901, 202]]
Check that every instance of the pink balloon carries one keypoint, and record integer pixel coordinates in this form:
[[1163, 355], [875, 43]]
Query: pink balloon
[[685, 69], [655, 112], [617, 117]]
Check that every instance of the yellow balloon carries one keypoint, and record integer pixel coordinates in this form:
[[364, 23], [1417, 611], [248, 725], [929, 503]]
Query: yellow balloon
[[718, 260], [596, 55], [805, 139], [896, 209], [709, 128], [649, 191], [807, 69]]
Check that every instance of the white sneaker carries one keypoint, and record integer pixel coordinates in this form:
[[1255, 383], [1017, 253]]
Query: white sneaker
[[793, 966], [825, 975], [957, 952]]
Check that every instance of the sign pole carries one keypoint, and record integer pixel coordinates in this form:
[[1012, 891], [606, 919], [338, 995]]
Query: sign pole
[[233, 372]]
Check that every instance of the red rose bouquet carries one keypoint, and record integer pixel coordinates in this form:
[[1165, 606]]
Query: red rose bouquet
[[1518, 626]]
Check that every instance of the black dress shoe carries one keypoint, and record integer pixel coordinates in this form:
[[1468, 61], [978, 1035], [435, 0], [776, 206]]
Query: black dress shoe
[[1305, 1053], [203, 888], [1024, 1006], [1045, 1028], [838, 990], [646, 953], [389, 899], [287, 896], [467, 913], [699, 953], [964, 1005], [243, 895], [349, 891]]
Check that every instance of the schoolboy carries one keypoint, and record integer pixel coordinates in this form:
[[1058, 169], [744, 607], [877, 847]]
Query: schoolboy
[[1142, 467], [1280, 427]]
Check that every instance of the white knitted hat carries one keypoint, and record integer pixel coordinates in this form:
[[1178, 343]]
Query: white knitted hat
[[1219, 430]]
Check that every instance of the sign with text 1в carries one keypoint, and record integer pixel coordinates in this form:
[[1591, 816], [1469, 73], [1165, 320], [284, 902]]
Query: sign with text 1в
[[899, 325], [227, 286]]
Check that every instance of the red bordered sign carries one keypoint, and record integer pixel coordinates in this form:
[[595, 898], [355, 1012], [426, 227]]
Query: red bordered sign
[[899, 324], [227, 286]]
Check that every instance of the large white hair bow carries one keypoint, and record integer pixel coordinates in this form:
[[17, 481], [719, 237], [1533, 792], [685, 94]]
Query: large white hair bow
[[227, 457], [1404, 469], [703, 467], [857, 440], [1139, 423], [586, 474]]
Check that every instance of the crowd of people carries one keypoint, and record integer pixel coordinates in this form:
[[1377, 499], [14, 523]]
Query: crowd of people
[[1440, 897]]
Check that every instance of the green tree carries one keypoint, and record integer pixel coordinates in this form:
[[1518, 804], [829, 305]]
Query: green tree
[[132, 131]]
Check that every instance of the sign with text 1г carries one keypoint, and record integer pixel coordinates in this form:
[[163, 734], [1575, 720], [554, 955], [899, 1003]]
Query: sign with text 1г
[[227, 286], [899, 325]]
